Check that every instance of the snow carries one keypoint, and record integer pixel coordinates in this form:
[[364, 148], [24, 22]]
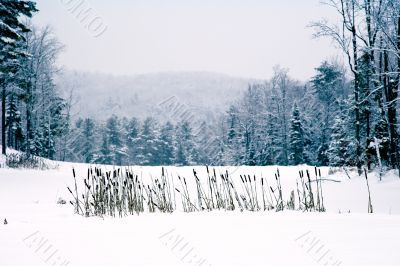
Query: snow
[[2, 160], [7, 40], [42, 232]]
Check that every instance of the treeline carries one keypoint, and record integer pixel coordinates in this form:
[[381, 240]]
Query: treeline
[[278, 122], [130, 141], [133, 142], [285, 122], [337, 118], [33, 113], [368, 33]]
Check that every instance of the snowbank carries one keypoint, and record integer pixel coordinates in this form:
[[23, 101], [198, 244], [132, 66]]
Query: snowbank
[[41, 232]]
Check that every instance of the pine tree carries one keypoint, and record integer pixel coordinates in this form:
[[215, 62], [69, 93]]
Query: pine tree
[[132, 130], [322, 152], [88, 140], [233, 152], [186, 153], [272, 134], [328, 87], [14, 124], [296, 138], [104, 155], [148, 143], [339, 145], [11, 49], [116, 146], [166, 145]]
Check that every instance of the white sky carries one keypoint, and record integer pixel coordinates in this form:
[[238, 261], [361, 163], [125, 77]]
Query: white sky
[[241, 38]]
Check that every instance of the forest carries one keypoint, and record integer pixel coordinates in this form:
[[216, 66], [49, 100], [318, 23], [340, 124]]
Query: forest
[[345, 115]]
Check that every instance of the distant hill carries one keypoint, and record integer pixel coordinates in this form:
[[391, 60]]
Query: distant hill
[[101, 95]]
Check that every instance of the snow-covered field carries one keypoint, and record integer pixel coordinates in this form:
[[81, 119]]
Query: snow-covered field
[[42, 232]]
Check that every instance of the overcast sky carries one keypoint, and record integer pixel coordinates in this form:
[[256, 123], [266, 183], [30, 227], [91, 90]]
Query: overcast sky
[[244, 38]]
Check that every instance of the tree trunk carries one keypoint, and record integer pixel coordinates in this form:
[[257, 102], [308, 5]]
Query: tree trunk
[[356, 93], [3, 117], [391, 92], [28, 118]]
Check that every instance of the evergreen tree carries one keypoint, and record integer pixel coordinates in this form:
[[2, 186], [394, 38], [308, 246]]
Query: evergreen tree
[[148, 142], [339, 144], [88, 140], [11, 49], [132, 130], [104, 155], [322, 152], [296, 138], [186, 153], [272, 134], [328, 87], [14, 124], [233, 144], [166, 145], [311, 141], [116, 146]]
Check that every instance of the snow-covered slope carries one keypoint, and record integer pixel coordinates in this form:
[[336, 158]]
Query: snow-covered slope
[[41, 232]]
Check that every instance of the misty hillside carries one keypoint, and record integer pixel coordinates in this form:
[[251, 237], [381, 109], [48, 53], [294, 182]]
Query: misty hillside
[[101, 95]]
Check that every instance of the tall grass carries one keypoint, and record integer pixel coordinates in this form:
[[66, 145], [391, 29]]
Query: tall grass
[[121, 192]]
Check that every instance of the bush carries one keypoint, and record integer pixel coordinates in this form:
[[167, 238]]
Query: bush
[[24, 160]]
